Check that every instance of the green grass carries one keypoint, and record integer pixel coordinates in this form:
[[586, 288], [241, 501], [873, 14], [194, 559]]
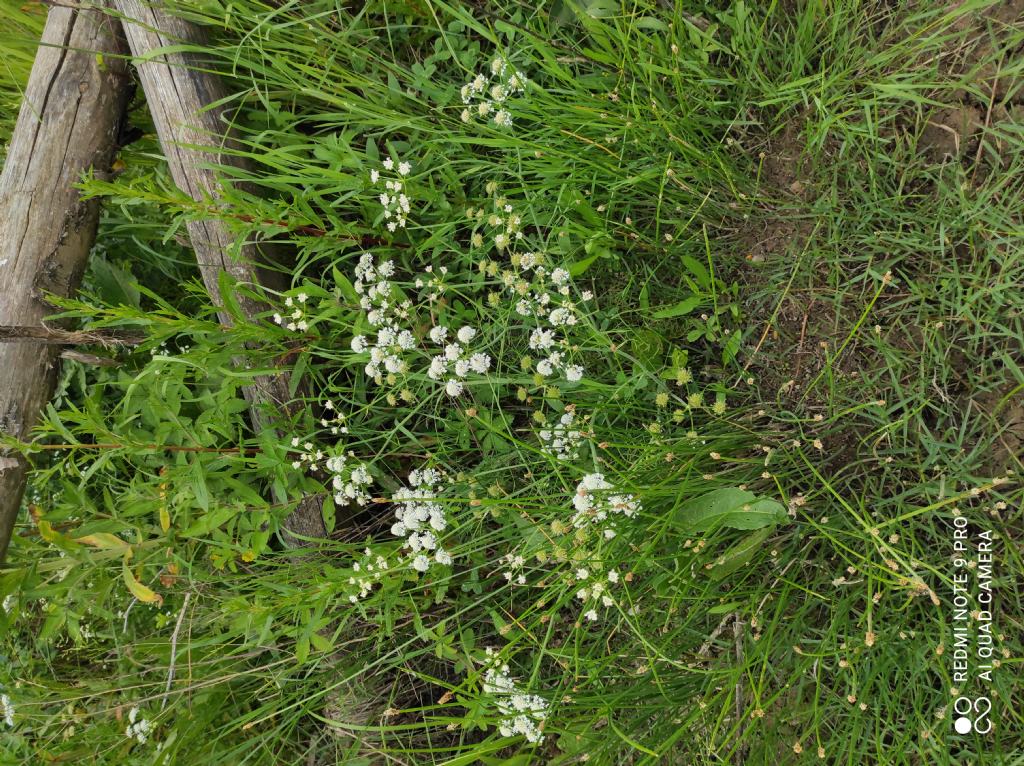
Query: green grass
[[23, 26], [804, 287]]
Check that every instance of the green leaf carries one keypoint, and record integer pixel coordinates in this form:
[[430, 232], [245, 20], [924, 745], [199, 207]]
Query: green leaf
[[723, 608], [345, 287], [679, 309], [113, 284], [298, 371], [652, 23], [599, 9], [210, 521], [739, 554], [199, 489], [699, 271], [579, 267], [320, 643], [646, 346], [330, 513], [732, 346], [302, 649], [226, 288], [736, 508]]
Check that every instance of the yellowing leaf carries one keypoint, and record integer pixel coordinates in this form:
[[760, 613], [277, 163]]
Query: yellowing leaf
[[103, 540], [165, 519], [51, 535], [47, 532], [140, 591]]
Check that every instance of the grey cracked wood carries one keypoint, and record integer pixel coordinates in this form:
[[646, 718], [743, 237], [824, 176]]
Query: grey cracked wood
[[184, 99], [68, 123]]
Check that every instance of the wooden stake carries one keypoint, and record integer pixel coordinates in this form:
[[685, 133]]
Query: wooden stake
[[69, 122], [186, 102]]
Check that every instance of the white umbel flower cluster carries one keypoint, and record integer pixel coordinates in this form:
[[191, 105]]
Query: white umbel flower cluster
[[486, 95], [294, 316], [7, 710], [138, 728], [505, 223], [542, 299], [563, 439], [594, 592], [393, 199], [348, 480], [433, 282], [366, 574], [393, 341], [337, 422], [456, 362], [514, 571], [522, 714], [596, 505], [309, 454], [420, 519]]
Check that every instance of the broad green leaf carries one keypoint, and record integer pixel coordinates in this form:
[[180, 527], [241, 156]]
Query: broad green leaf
[[320, 643], [740, 553], [199, 488], [298, 371], [723, 608], [210, 521], [699, 271], [683, 307], [347, 289], [330, 513], [579, 267], [652, 23], [731, 507], [113, 284], [226, 288], [732, 346], [646, 346], [302, 647]]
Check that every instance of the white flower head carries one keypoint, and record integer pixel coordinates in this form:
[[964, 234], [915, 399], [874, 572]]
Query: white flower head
[[488, 93], [138, 728], [7, 710], [522, 714]]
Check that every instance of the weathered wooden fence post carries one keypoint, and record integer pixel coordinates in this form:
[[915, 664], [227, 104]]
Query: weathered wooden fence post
[[68, 123], [184, 99]]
